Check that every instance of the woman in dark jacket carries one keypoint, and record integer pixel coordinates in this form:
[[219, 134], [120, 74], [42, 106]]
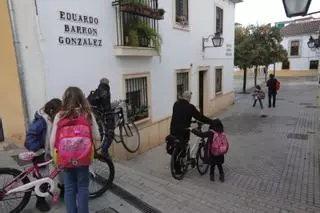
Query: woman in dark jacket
[[215, 126]]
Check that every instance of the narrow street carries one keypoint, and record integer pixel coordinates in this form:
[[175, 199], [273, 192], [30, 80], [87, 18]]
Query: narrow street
[[272, 165]]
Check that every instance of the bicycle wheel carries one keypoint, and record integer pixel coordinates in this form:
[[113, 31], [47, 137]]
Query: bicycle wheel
[[178, 159], [19, 199], [130, 136], [101, 175], [202, 167], [102, 130]]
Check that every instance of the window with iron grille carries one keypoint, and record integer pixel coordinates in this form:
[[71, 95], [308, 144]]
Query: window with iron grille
[[137, 23], [137, 96], [182, 83], [218, 80], [294, 48], [219, 20], [314, 64], [182, 13]]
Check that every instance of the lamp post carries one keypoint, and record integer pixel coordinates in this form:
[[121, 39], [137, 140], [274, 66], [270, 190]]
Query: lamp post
[[314, 43], [296, 7], [216, 40]]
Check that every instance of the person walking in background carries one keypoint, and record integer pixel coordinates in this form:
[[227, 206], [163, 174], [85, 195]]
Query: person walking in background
[[72, 140], [273, 85], [258, 95]]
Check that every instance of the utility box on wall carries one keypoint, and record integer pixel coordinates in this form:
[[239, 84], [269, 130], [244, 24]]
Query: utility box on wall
[[1, 131]]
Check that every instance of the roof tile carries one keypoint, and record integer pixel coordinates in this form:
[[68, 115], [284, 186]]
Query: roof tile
[[301, 28]]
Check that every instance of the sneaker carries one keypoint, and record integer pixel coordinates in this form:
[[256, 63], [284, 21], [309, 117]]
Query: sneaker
[[221, 178], [212, 178], [42, 204]]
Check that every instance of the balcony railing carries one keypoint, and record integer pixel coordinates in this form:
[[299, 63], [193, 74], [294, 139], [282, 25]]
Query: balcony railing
[[137, 23]]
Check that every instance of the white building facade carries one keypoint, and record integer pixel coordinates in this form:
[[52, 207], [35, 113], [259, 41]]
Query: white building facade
[[65, 43], [295, 40]]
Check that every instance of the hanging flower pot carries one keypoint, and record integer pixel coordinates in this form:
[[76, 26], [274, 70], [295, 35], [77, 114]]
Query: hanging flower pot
[[138, 9], [129, 8], [159, 14]]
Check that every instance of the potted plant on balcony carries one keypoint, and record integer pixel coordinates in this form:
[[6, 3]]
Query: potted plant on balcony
[[158, 13], [138, 7], [133, 39], [150, 35], [142, 35], [182, 20], [141, 112], [127, 6]]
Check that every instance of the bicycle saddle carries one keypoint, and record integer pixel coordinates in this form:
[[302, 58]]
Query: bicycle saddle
[[27, 156]]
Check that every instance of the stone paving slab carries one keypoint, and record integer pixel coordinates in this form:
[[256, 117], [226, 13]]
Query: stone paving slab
[[272, 165]]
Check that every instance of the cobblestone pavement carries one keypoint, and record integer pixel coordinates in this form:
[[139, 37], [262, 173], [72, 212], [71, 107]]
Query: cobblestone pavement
[[272, 165]]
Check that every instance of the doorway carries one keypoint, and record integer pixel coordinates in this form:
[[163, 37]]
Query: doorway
[[202, 91], [201, 76]]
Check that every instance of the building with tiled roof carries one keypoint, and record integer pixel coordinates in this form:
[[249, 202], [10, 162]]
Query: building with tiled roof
[[301, 28], [296, 34]]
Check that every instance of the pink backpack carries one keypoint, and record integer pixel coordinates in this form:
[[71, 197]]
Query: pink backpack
[[261, 95], [219, 144], [74, 145]]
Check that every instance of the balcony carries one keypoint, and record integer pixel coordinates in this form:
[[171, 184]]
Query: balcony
[[138, 27]]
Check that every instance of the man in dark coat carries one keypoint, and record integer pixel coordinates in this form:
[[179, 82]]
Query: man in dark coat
[[183, 112], [101, 98], [104, 94], [272, 90]]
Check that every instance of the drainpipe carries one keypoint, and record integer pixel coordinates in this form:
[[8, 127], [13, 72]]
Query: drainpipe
[[19, 62]]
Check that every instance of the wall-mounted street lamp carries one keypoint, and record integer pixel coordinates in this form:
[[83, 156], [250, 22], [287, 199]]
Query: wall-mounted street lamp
[[314, 43], [216, 40], [296, 7]]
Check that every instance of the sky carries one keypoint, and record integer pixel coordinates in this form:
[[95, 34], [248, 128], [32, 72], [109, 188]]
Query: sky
[[266, 11]]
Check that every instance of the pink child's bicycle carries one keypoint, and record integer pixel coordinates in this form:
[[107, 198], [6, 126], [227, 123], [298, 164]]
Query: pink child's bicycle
[[18, 188]]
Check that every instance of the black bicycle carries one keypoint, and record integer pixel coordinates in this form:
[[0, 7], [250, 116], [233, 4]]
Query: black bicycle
[[125, 132], [182, 158]]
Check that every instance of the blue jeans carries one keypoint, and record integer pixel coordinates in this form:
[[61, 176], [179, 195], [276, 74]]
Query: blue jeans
[[76, 194]]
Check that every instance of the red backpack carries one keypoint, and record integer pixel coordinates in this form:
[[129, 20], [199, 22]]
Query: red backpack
[[219, 144], [73, 145], [277, 85]]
